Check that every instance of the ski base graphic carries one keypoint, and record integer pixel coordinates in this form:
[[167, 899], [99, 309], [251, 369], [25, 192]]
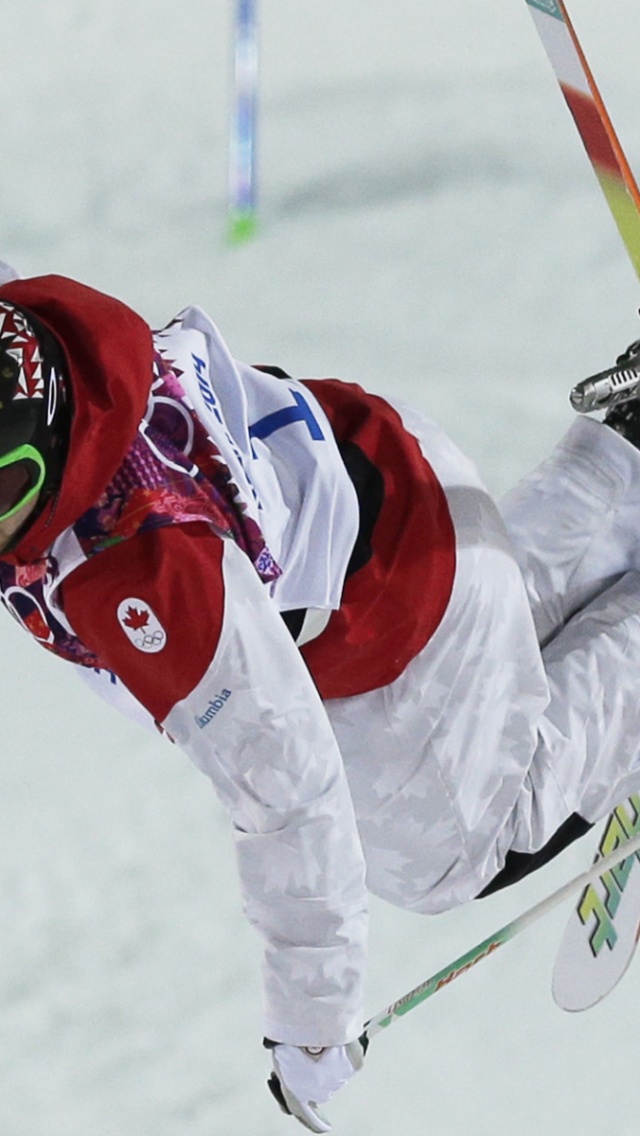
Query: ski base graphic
[[602, 933]]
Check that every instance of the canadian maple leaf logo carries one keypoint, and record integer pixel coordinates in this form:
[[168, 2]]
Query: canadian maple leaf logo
[[136, 618], [141, 625]]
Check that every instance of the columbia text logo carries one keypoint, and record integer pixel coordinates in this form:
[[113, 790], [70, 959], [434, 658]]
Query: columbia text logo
[[215, 706]]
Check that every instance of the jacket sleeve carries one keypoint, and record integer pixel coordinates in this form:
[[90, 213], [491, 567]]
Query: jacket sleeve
[[181, 617]]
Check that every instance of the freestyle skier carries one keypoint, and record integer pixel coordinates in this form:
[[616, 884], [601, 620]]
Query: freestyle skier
[[393, 684]]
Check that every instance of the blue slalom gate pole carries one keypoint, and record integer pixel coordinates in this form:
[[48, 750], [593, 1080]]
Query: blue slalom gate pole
[[242, 156]]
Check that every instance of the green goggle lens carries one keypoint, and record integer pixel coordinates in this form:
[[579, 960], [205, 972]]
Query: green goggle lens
[[22, 474]]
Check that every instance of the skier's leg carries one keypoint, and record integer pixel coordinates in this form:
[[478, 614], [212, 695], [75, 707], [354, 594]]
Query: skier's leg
[[588, 756], [575, 522], [436, 759], [453, 775], [456, 764]]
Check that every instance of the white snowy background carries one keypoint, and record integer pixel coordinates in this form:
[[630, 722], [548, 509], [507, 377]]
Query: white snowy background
[[429, 227]]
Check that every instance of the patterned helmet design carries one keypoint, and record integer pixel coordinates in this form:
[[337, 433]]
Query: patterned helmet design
[[34, 404]]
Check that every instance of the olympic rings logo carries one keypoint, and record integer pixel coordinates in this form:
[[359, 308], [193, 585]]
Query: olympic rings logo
[[152, 642]]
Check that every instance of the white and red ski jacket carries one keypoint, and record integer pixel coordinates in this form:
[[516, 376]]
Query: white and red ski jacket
[[231, 644]]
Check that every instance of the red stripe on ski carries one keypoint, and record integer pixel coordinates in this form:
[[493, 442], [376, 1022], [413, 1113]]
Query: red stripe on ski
[[625, 169], [592, 131]]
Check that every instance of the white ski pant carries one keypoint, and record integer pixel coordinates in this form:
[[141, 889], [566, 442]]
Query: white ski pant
[[524, 708]]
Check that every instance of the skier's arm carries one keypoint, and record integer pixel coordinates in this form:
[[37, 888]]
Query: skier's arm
[[229, 686]]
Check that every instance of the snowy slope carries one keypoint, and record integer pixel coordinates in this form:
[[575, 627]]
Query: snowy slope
[[431, 228]]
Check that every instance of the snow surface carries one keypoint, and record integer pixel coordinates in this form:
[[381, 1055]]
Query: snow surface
[[430, 227]]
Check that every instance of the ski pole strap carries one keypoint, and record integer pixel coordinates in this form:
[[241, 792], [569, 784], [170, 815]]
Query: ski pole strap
[[465, 962]]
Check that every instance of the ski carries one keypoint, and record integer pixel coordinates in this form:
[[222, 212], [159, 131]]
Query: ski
[[602, 933], [590, 115]]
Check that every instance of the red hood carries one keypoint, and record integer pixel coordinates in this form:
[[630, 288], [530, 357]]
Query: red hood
[[109, 353]]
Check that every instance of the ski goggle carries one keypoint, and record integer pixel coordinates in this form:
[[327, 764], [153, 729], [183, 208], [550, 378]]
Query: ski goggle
[[22, 474]]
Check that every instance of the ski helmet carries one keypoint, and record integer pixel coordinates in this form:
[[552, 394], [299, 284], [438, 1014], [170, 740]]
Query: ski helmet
[[34, 410]]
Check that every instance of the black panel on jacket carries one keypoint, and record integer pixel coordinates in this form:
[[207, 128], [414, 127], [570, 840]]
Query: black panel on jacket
[[369, 486]]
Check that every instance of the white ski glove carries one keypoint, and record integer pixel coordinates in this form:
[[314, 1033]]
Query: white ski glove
[[303, 1078]]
